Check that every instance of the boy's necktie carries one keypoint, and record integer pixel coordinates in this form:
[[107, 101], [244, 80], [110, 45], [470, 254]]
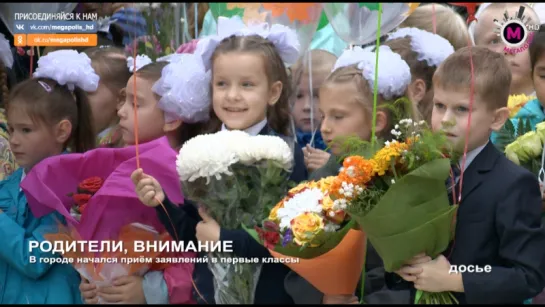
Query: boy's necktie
[[453, 185]]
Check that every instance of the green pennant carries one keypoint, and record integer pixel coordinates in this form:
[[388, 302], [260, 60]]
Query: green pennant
[[323, 21], [372, 6], [220, 9]]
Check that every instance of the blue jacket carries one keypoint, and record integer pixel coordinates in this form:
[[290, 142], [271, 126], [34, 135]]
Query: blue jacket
[[532, 110], [22, 282]]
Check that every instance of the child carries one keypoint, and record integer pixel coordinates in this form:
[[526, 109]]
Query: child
[[7, 161], [175, 115], [153, 123], [498, 220], [110, 64], [423, 51], [250, 92], [322, 64], [519, 62], [346, 106], [262, 110], [448, 23], [45, 117], [533, 109]]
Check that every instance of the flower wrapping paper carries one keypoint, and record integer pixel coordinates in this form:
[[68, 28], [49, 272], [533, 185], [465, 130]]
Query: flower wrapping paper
[[49, 183]]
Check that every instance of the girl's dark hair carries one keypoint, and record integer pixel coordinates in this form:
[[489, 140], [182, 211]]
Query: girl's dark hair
[[537, 46], [188, 131], [278, 115], [110, 63], [152, 71], [419, 69], [56, 104]]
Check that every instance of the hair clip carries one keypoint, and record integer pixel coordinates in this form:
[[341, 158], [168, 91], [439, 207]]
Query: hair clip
[[46, 86]]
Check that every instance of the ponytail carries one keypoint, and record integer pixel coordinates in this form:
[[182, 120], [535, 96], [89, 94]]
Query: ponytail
[[83, 138]]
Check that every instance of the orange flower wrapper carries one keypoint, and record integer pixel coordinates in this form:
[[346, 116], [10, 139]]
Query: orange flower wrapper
[[336, 272], [103, 273]]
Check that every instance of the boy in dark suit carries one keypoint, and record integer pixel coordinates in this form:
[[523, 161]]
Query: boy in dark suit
[[499, 215]]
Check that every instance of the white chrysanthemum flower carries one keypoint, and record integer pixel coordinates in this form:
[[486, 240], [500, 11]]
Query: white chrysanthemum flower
[[265, 147], [205, 156], [306, 201]]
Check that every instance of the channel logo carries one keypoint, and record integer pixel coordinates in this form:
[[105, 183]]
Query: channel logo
[[516, 32]]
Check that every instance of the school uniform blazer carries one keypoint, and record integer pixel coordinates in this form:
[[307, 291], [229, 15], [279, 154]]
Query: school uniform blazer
[[498, 224], [270, 288]]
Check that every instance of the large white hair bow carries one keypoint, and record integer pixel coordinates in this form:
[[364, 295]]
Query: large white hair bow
[[141, 61], [283, 38], [184, 88], [394, 74], [6, 57], [70, 68], [430, 47]]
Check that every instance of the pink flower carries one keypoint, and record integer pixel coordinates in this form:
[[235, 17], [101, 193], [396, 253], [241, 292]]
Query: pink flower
[[188, 47]]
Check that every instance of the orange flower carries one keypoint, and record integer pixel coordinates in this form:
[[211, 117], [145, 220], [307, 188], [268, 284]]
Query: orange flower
[[357, 170], [302, 12]]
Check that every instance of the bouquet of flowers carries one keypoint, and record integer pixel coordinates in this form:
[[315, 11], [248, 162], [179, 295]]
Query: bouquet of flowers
[[516, 126], [517, 102], [102, 272], [86, 189], [309, 225], [160, 21], [113, 211], [238, 177], [527, 151], [398, 196]]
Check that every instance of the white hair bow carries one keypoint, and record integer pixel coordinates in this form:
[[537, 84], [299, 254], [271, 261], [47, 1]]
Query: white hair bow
[[5, 52], [70, 68], [141, 61], [184, 88], [284, 39], [394, 74], [432, 48]]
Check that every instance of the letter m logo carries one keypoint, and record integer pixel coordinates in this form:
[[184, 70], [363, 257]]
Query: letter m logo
[[513, 34]]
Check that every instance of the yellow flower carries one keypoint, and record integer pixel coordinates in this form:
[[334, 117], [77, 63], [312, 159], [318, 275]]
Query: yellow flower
[[383, 158], [511, 152], [540, 130], [531, 146], [325, 183], [516, 102], [306, 227], [273, 216]]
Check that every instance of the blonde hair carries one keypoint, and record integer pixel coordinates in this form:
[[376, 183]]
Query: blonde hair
[[491, 71], [351, 74], [320, 60], [449, 24]]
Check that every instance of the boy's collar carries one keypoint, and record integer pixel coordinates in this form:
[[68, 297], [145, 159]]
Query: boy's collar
[[471, 155], [253, 130]]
